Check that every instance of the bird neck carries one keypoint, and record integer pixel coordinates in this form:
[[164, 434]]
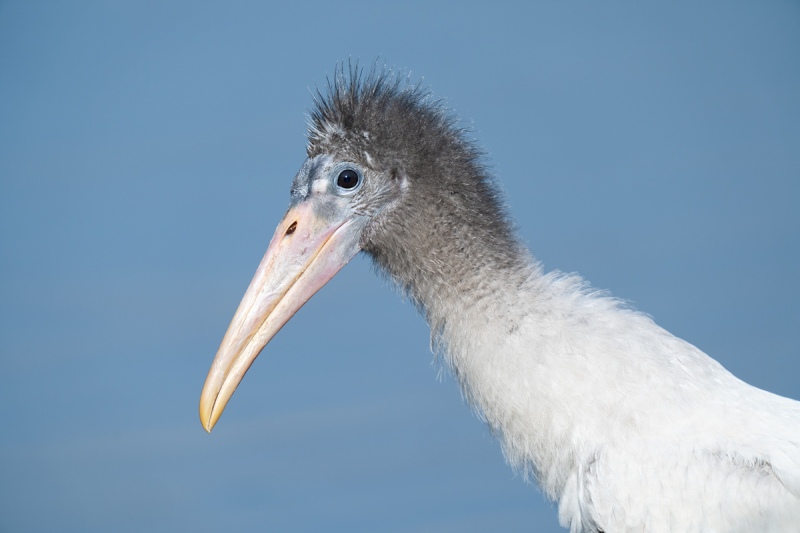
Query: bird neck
[[478, 288], [453, 251], [503, 328]]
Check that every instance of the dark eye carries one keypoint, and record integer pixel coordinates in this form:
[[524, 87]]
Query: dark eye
[[347, 179]]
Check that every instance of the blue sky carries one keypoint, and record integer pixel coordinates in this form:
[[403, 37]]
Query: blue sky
[[146, 152]]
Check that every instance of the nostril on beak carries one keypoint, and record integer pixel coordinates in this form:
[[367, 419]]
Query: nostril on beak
[[291, 228]]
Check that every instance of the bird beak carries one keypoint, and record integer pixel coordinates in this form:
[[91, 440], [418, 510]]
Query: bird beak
[[307, 250]]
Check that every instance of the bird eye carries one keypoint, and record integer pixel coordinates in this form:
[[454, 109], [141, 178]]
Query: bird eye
[[347, 179]]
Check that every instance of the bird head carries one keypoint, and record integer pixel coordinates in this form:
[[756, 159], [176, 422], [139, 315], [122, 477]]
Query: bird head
[[372, 142]]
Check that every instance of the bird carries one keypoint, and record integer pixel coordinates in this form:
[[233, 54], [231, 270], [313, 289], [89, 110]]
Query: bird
[[623, 425]]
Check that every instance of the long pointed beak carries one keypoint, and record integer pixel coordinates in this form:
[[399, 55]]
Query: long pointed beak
[[306, 251]]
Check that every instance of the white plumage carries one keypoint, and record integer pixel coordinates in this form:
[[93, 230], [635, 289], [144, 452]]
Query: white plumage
[[625, 426], [635, 429]]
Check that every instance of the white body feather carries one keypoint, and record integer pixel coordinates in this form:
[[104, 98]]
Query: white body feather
[[636, 430]]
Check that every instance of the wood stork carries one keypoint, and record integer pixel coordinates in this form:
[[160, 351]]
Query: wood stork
[[625, 426]]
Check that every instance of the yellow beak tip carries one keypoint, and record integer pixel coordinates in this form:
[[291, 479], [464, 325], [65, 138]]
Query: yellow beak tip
[[206, 419]]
